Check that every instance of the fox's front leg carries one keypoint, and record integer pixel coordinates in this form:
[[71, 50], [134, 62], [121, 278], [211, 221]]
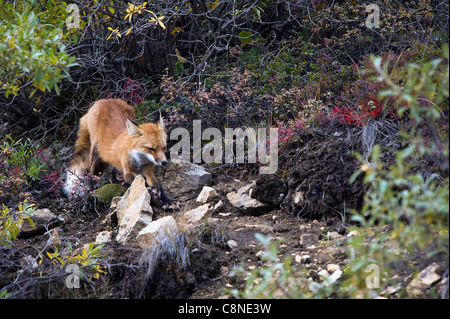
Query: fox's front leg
[[128, 176], [150, 177], [154, 186]]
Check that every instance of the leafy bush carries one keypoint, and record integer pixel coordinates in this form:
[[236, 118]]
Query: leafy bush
[[21, 162], [12, 219], [31, 54], [408, 209], [24, 156], [89, 260]]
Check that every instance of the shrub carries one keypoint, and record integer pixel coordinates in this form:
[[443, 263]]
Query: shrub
[[21, 162], [407, 208], [12, 219], [31, 54]]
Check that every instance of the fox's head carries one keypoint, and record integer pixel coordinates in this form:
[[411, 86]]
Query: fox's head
[[148, 143]]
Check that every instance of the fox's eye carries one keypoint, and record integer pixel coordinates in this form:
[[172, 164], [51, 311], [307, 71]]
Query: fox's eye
[[151, 149]]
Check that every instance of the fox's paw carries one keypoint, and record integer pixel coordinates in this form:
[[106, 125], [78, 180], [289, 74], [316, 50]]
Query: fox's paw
[[154, 190], [171, 206]]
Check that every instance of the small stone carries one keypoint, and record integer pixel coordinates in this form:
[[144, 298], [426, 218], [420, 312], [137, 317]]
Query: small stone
[[195, 215], [29, 261], [232, 243], [206, 195], [183, 180], [333, 267], [353, 233], [305, 259], [218, 205], [334, 235], [103, 237], [424, 280], [43, 220], [335, 276], [259, 254], [54, 236], [323, 273], [242, 200]]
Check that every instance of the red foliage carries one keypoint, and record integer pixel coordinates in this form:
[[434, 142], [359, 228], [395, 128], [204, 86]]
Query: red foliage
[[360, 115], [54, 180]]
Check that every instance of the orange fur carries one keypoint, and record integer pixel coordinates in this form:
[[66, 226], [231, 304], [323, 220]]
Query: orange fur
[[108, 137]]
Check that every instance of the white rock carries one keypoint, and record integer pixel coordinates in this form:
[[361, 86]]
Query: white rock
[[218, 205], [232, 243], [334, 235], [206, 195], [335, 276], [195, 215], [242, 199], [103, 237], [156, 231], [333, 267], [323, 273], [29, 261], [305, 259], [133, 211], [353, 233]]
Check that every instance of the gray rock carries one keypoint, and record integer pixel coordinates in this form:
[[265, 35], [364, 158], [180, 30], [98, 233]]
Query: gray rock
[[43, 219], [183, 181], [241, 199], [103, 237], [424, 280], [309, 239]]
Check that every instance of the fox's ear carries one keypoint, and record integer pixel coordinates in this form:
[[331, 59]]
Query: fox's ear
[[133, 128], [159, 120]]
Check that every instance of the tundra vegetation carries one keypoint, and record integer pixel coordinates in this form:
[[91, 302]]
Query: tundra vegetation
[[359, 97]]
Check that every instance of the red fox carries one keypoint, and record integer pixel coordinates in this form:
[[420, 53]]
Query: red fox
[[109, 138]]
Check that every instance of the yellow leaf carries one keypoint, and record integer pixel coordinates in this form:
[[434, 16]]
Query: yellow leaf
[[179, 57], [175, 30], [129, 30]]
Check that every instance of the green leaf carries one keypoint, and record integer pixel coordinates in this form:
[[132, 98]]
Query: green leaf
[[245, 37]]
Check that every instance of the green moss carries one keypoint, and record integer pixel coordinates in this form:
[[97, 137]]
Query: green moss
[[107, 192]]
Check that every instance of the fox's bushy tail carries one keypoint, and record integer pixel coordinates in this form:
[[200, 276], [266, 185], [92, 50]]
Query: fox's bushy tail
[[76, 172]]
